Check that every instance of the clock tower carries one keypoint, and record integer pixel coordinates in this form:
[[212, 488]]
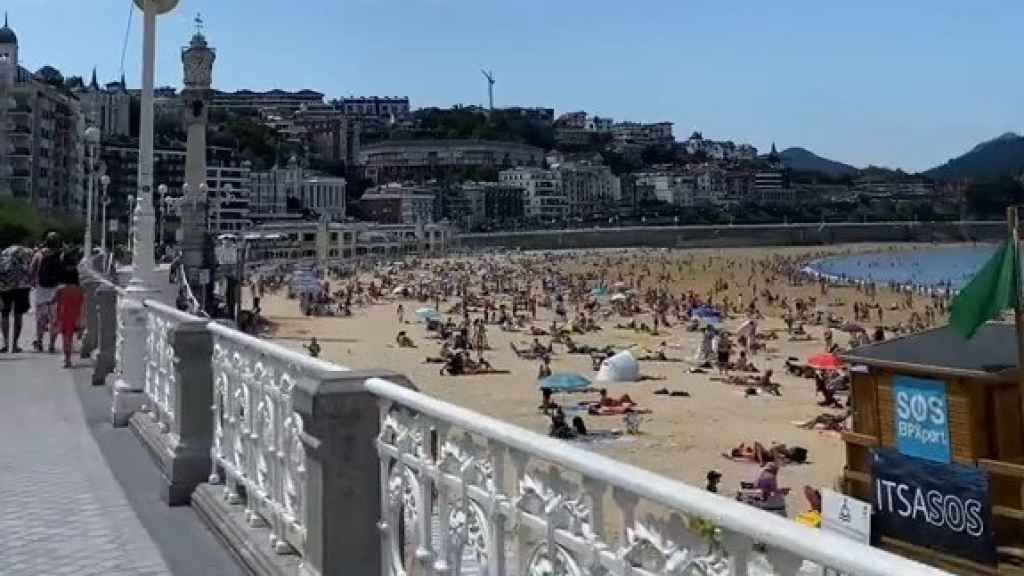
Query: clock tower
[[197, 59]]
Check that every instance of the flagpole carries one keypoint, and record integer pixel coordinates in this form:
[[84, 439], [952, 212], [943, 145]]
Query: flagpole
[[1013, 223]]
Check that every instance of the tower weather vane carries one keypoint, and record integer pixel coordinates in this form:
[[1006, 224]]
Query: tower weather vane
[[199, 23]]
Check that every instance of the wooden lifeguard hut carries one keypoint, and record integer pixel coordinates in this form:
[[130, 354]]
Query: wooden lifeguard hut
[[937, 446]]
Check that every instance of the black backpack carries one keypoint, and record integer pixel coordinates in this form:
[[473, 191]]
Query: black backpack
[[50, 270]]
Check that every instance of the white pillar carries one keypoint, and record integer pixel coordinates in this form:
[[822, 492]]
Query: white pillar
[[143, 262]]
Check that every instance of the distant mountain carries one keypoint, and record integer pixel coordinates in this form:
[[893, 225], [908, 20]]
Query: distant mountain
[[1002, 156], [804, 160]]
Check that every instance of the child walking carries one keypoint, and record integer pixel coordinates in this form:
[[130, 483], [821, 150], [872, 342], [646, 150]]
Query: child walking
[[69, 310]]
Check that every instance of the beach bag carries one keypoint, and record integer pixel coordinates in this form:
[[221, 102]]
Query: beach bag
[[621, 367]]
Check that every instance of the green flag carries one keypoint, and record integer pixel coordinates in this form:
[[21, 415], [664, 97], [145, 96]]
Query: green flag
[[991, 291]]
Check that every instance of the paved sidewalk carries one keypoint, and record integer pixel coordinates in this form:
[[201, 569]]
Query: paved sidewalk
[[66, 507]]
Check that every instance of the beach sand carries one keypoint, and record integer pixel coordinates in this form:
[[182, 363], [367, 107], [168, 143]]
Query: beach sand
[[684, 437]]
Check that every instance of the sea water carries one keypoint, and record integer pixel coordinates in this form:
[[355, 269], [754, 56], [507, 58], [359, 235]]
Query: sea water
[[936, 266]]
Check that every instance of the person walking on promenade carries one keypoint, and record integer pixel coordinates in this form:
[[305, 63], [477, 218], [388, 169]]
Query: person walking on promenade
[[15, 286], [46, 272], [69, 308]]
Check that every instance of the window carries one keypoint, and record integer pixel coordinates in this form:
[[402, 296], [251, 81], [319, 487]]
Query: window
[[309, 237]]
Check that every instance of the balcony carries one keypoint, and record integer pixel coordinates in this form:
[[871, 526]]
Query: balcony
[[305, 467]]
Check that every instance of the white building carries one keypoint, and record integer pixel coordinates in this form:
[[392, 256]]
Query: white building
[[229, 193], [543, 197], [671, 188], [334, 243], [280, 190], [588, 188]]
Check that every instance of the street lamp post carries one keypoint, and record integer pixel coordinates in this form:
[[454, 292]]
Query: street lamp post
[[161, 192], [104, 201], [131, 223], [92, 140]]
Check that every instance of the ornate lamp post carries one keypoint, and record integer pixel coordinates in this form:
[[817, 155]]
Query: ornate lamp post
[[161, 195], [143, 260], [104, 201], [131, 223], [92, 140]]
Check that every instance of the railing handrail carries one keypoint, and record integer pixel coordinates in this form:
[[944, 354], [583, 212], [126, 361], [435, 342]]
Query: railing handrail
[[824, 548], [177, 315], [314, 367]]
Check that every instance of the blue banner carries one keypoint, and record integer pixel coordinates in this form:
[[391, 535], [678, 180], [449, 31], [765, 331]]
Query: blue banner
[[940, 506], [922, 418]]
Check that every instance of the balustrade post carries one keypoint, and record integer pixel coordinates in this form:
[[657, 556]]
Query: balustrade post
[[89, 284], [192, 424], [130, 378], [341, 422], [106, 312]]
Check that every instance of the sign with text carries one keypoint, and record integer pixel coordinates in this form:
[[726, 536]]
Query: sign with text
[[939, 506], [922, 418], [846, 516]]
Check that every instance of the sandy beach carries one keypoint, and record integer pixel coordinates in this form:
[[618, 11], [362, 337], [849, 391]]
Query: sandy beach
[[682, 437]]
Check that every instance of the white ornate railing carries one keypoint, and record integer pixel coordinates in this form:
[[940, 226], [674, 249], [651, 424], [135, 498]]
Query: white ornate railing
[[256, 432], [160, 384], [463, 493]]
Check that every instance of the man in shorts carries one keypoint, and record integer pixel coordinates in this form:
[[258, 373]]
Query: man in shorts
[[15, 285], [46, 271]]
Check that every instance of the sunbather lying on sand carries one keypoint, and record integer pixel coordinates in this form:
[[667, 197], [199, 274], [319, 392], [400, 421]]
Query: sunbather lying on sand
[[826, 421], [775, 453]]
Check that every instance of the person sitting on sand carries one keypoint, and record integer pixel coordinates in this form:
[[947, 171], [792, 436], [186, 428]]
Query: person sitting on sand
[[743, 363], [713, 478], [546, 404], [606, 400], [403, 340], [768, 482], [537, 348], [443, 355], [313, 347], [558, 428], [545, 368], [455, 366]]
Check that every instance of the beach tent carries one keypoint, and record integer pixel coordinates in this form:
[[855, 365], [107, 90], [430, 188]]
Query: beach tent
[[621, 367], [618, 297], [564, 382]]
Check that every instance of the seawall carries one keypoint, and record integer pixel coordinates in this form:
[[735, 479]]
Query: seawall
[[810, 234]]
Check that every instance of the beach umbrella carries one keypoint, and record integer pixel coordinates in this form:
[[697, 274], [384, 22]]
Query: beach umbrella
[[825, 362], [564, 382], [705, 312], [598, 292], [619, 285], [618, 297], [709, 320], [427, 313]]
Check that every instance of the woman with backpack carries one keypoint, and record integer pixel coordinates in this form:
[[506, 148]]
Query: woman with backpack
[[47, 273]]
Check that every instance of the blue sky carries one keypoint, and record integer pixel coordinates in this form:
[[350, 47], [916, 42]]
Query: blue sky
[[904, 83]]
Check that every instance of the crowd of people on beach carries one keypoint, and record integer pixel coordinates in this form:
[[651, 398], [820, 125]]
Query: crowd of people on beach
[[546, 302]]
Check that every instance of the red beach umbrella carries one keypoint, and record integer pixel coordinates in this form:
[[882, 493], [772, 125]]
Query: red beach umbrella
[[824, 362]]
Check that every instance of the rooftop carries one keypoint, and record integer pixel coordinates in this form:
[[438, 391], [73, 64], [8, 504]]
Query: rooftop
[[990, 355]]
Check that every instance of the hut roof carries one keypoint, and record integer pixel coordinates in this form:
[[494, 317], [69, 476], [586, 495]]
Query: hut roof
[[990, 355]]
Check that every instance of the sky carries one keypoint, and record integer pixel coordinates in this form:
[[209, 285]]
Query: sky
[[898, 83]]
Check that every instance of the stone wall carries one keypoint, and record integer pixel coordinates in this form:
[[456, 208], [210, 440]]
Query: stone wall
[[745, 235]]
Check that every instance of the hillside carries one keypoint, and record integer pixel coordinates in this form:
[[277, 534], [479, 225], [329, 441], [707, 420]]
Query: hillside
[[804, 160], [1002, 156]]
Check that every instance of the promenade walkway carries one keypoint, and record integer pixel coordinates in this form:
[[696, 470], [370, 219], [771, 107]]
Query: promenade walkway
[[77, 496]]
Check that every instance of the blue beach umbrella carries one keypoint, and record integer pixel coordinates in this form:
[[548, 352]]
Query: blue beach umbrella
[[564, 382], [427, 313], [705, 312]]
